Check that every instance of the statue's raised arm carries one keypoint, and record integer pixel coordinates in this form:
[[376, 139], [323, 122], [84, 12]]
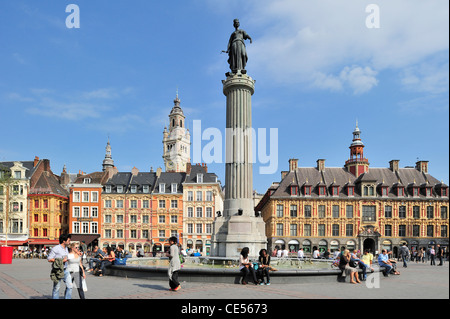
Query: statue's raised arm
[[237, 53]]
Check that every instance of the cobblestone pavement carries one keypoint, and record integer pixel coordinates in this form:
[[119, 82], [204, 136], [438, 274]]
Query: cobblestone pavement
[[30, 279]]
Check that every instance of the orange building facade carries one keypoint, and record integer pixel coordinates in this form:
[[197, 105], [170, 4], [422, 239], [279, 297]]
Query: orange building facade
[[85, 207]]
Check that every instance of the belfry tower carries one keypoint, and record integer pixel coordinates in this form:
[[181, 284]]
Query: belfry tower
[[176, 141], [357, 163]]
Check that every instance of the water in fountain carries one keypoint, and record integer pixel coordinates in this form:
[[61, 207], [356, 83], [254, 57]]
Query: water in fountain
[[283, 263]]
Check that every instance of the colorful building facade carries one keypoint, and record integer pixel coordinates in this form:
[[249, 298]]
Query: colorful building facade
[[356, 206], [48, 207], [202, 198]]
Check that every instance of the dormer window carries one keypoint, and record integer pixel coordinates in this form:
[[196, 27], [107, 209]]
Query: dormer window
[[369, 190], [307, 190], [199, 178], [174, 188], [335, 190], [294, 190], [415, 191], [162, 188], [87, 181], [119, 188], [351, 191], [400, 191], [444, 191], [145, 188], [133, 188], [428, 191], [321, 190], [108, 188], [384, 191]]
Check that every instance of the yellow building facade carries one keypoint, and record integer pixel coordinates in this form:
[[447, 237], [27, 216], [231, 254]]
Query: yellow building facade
[[356, 206]]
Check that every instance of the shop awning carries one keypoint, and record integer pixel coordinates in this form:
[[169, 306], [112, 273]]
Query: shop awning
[[43, 242], [13, 243], [87, 238]]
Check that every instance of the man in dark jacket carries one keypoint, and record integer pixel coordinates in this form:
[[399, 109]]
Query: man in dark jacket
[[404, 253], [440, 255]]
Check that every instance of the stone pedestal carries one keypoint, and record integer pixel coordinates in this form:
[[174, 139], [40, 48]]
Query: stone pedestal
[[238, 227]]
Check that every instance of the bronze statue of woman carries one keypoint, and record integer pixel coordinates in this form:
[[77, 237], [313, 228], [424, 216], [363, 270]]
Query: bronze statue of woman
[[237, 54]]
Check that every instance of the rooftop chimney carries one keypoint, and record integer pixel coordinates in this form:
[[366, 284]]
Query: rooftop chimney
[[422, 166], [321, 165], [293, 164], [393, 165], [36, 161]]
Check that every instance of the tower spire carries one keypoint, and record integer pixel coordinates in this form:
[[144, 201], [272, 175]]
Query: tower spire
[[108, 161], [357, 163]]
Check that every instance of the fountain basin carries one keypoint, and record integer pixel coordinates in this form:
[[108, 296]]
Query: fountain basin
[[225, 275]]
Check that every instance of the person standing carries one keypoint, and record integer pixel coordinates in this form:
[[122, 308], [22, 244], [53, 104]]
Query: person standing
[[174, 265], [424, 255], [440, 255], [301, 254], [76, 268], [432, 256], [404, 253], [58, 257], [419, 255]]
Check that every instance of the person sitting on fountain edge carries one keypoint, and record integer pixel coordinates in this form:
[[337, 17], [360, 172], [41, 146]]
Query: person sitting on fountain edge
[[246, 267]]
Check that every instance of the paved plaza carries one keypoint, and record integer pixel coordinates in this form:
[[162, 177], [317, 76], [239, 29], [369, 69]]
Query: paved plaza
[[30, 279]]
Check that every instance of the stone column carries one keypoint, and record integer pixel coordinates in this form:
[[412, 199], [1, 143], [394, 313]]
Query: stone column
[[238, 227], [238, 89]]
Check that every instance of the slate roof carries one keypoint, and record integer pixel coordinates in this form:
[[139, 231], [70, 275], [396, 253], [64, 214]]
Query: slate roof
[[142, 179], [48, 180], [336, 176], [122, 179], [96, 178], [199, 169], [169, 178], [29, 165]]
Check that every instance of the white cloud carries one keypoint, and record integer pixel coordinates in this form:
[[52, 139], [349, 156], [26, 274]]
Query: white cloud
[[77, 106], [328, 45], [359, 79]]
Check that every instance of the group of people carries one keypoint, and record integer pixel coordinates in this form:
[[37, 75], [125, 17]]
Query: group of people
[[67, 265], [258, 270], [349, 262], [424, 255]]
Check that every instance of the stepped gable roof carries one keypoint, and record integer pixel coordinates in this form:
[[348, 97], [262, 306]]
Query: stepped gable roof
[[191, 177]]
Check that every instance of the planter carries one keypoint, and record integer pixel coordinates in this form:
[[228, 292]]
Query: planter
[[6, 253]]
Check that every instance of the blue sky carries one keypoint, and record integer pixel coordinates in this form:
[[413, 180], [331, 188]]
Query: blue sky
[[317, 66]]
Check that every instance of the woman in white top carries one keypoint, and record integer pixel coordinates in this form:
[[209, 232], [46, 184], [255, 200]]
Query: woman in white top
[[245, 266], [76, 268]]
